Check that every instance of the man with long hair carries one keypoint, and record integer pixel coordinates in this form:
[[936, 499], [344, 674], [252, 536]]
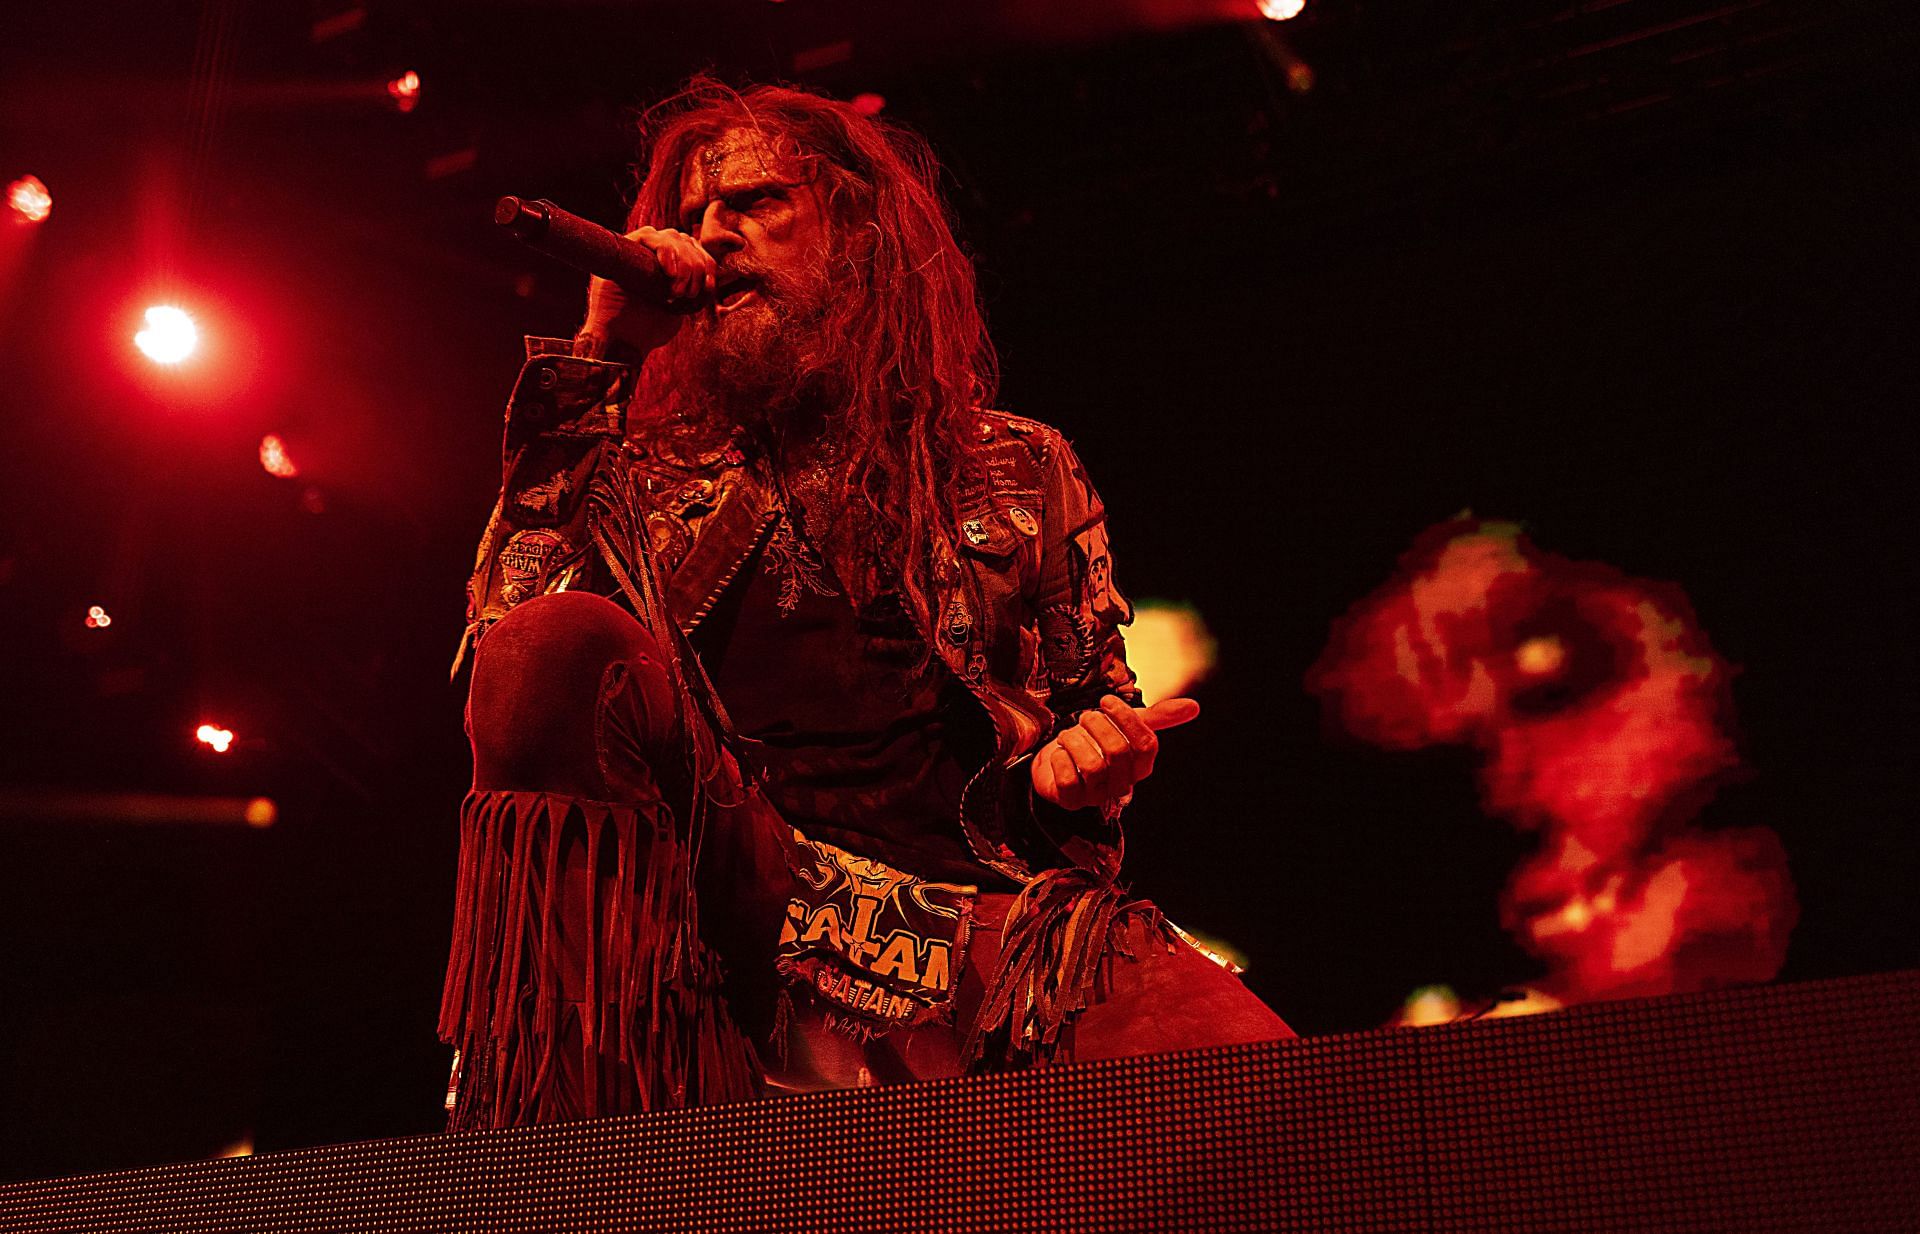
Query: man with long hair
[[800, 715]]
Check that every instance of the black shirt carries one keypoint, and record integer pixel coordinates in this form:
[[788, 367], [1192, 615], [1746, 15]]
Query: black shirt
[[866, 739]]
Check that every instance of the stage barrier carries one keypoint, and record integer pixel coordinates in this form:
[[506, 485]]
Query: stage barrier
[[1792, 1107]]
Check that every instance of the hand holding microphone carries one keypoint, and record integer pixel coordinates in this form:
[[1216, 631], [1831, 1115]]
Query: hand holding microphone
[[644, 283]]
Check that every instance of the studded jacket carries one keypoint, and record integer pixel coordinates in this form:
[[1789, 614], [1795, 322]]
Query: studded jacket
[[587, 498]]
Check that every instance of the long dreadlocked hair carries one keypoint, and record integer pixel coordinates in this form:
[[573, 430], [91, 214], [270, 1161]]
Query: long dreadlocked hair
[[910, 357]]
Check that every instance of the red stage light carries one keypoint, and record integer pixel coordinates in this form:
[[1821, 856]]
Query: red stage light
[[29, 199], [1429, 1005], [1281, 10], [218, 738], [405, 90], [273, 456], [97, 618], [869, 104], [170, 336], [1539, 657]]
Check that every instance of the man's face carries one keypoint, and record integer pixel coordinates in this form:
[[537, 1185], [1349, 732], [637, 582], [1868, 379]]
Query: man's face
[[761, 215]]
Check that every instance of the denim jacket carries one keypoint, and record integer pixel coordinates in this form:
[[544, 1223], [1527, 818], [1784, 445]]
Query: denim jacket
[[587, 497]]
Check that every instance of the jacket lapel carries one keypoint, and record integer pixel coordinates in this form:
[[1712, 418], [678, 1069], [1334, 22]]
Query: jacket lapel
[[726, 539]]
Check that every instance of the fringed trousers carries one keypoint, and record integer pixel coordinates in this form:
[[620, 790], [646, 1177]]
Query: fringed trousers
[[620, 895]]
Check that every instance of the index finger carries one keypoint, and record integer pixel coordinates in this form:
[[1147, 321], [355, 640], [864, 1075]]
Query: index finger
[[1128, 721]]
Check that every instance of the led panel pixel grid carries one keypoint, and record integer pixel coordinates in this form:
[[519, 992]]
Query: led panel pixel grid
[[1782, 1108]]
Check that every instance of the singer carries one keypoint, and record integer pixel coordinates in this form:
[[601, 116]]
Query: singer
[[801, 723]]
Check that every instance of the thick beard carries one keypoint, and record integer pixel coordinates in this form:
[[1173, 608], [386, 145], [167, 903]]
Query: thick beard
[[764, 365]]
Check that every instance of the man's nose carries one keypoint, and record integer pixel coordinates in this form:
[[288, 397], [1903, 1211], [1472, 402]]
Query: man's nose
[[717, 234]]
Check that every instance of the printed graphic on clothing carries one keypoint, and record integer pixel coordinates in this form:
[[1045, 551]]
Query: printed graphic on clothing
[[524, 563], [879, 946]]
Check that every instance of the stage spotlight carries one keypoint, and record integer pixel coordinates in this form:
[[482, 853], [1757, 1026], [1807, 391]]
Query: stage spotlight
[[1221, 952], [170, 336], [405, 90], [1523, 1002], [1281, 10], [1169, 647], [273, 456], [1539, 657], [869, 104], [29, 200], [97, 618], [218, 738], [1429, 1005]]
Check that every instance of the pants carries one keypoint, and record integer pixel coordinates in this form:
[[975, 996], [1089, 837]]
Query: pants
[[606, 888]]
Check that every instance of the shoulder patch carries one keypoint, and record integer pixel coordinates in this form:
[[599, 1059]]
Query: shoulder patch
[[1036, 436]]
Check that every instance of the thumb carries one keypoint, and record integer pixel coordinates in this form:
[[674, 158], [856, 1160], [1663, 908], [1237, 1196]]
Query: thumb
[[1170, 713], [605, 301]]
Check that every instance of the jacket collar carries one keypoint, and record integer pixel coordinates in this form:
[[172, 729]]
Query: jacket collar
[[727, 538]]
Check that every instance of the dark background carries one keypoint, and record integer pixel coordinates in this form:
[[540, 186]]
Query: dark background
[[1641, 275]]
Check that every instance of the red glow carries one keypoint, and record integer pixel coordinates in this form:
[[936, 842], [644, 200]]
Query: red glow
[[273, 457], [1281, 10], [29, 199], [210, 735], [1598, 704], [405, 90], [97, 618], [869, 104]]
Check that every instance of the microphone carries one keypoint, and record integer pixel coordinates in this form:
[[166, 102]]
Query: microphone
[[586, 246]]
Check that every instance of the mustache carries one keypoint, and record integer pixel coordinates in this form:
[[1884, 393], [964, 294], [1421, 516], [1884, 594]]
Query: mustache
[[803, 281], [767, 278]]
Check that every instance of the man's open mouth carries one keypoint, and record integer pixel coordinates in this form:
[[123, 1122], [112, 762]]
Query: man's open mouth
[[731, 294]]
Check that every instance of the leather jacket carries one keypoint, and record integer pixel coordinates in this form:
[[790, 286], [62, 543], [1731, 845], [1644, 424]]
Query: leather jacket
[[588, 497]]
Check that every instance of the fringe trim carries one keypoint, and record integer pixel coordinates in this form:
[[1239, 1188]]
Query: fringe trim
[[1062, 928], [656, 1032]]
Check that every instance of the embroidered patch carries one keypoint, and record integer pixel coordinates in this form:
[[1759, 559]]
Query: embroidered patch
[[524, 560], [545, 498], [1092, 569], [792, 560], [1067, 646], [880, 947]]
